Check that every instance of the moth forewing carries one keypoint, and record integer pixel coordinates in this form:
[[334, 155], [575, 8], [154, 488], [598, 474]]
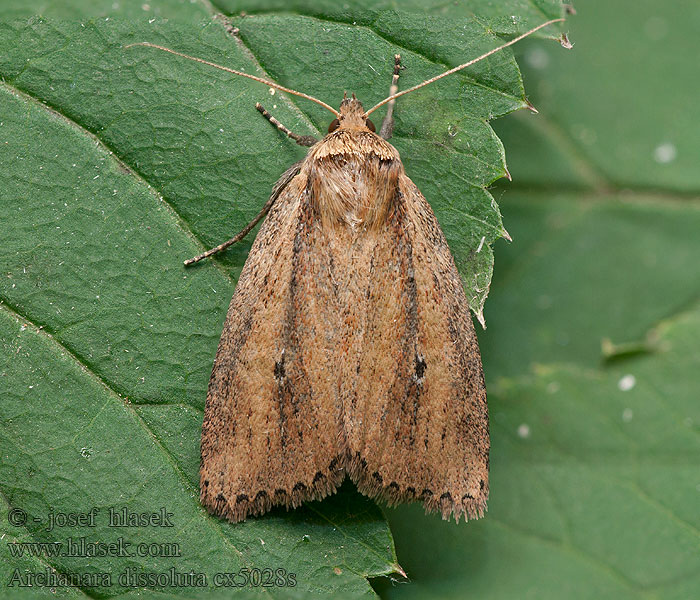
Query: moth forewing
[[271, 434], [421, 400]]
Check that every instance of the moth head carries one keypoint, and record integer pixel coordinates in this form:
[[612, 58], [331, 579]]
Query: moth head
[[351, 116]]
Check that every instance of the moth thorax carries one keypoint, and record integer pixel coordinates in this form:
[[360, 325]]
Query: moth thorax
[[355, 190]]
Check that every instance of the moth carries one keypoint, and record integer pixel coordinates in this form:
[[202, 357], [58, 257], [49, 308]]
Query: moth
[[348, 348]]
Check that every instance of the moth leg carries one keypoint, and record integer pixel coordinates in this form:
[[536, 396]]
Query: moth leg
[[387, 127], [282, 182], [302, 140]]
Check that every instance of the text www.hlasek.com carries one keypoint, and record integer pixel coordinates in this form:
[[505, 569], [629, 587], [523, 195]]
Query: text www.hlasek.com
[[120, 518], [82, 547]]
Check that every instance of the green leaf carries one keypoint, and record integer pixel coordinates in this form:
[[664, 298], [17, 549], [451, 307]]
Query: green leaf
[[591, 354], [595, 486], [117, 164]]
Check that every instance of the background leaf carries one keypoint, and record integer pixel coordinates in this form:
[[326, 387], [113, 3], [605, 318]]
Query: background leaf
[[119, 163], [595, 455]]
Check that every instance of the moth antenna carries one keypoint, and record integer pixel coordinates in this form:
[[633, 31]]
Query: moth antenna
[[253, 77], [460, 67]]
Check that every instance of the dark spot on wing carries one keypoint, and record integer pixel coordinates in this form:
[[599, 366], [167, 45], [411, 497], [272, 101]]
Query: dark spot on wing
[[420, 368]]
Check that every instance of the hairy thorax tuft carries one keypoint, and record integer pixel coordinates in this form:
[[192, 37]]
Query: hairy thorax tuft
[[353, 178]]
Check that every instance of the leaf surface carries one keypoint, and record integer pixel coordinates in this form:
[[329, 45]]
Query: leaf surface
[[119, 163], [591, 354]]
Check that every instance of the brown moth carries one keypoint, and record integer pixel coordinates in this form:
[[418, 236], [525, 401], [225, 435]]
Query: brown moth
[[348, 348]]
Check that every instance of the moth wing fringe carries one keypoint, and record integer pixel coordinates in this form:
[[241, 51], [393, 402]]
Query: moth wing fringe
[[392, 494], [242, 508]]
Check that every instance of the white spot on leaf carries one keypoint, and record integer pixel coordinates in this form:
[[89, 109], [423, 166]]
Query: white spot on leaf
[[524, 430], [627, 382], [665, 153]]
